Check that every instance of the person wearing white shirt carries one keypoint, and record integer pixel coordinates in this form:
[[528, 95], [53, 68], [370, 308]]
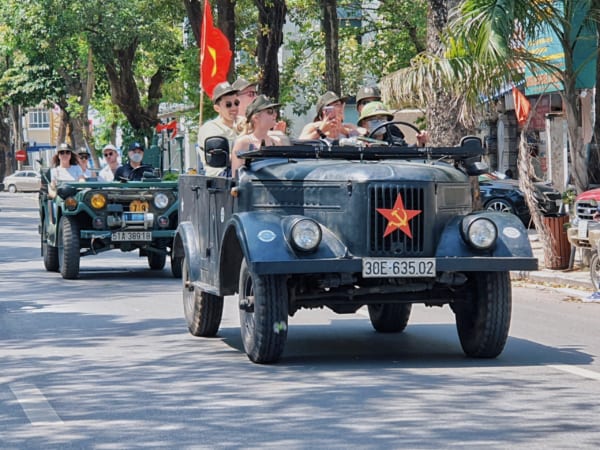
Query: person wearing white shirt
[[65, 168], [112, 163]]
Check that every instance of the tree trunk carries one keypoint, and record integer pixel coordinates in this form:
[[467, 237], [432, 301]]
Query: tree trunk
[[271, 17], [226, 23], [442, 114], [125, 93], [4, 141], [193, 9], [330, 26]]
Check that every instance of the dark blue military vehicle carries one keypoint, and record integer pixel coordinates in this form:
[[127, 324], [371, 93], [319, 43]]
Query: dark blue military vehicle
[[316, 225]]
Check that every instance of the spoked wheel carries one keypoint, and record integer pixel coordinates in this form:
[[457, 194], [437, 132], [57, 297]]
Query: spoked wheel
[[68, 248], [263, 302], [484, 319], [595, 270], [203, 311], [499, 205], [389, 318]]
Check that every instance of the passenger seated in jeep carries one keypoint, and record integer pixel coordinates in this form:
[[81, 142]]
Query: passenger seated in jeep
[[134, 169], [261, 116], [65, 168]]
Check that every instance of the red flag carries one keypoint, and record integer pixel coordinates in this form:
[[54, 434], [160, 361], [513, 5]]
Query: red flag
[[522, 106], [168, 126], [215, 55]]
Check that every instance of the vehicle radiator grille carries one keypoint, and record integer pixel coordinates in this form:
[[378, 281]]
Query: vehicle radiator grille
[[396, 243], [585, 210]]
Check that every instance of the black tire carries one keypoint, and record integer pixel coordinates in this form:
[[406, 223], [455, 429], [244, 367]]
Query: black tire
[[483, 321], [50, 257], [263, 302], [389, 318], [49, 252], [176, 266], [157, 261], [12, 189], [68, 248], [202, 311], [595, 270]]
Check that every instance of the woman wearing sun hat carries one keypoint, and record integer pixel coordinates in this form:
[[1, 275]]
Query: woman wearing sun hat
[[65, 168], [261, 116]]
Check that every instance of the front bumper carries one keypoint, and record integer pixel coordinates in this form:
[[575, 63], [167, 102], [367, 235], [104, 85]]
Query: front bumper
[[354, 265]]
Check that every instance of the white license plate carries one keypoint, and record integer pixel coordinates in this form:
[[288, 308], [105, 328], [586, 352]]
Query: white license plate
[[582, 229], [132, 236], [398, 267]]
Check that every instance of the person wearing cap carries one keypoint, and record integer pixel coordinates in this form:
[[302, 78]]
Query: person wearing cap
[[372, 118], [366, 95], [247, 91], [65, 168], [83, 157], [329, 121], [109, 152], [134, 169], [226, 104], [261, 117]]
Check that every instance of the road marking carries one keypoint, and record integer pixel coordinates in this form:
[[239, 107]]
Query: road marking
[[577, 371], [34, 404]]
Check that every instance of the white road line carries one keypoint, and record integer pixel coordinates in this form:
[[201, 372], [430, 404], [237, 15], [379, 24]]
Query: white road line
[[34, 404], [577, 371]]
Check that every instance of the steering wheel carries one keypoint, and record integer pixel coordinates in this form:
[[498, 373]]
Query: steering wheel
[[143, 167], [389, 127]]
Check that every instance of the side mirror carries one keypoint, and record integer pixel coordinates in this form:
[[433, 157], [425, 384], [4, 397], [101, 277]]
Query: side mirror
[[216, 151]]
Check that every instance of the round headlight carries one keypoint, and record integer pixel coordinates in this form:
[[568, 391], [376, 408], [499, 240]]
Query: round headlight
[[161, 201], [593, 202], [98, 201], [482, 233], [71, 203], [306, 235]]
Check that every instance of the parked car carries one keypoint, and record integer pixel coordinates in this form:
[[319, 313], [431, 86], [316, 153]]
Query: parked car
[[503, 195], [23, 181]]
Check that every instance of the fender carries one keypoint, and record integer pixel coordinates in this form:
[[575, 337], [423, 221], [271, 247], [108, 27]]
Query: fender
[[186, 234], [512, 238], [263, 237]]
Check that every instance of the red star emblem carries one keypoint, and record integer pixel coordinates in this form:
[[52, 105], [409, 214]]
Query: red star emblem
[[398, 217]]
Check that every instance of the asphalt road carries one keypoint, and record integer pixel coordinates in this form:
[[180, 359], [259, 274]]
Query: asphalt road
[[106, 362]]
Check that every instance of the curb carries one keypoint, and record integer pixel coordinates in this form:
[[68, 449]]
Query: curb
[[554, 278]]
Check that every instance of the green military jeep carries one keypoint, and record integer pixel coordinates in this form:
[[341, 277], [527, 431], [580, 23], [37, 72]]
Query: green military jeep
[[87, 218]]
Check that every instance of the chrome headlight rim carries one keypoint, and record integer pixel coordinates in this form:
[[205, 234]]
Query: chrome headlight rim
[[481, 233], [161, 200], [305, 235]]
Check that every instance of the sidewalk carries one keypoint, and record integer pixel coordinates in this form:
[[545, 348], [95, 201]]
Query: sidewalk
[[578, 277]]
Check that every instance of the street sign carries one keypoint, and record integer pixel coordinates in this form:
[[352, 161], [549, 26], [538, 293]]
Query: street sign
[[21, 155]]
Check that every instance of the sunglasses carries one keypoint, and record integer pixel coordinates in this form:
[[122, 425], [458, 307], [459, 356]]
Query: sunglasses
[[64, 152], [229, 104], [249, 93], [107, 154], [83, 156]]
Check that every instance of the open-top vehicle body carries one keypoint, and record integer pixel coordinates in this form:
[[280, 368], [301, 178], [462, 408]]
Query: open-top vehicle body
[[313, 225], [87, 218]]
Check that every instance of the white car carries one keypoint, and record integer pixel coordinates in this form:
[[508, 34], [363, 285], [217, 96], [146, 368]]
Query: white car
[[23, 180]]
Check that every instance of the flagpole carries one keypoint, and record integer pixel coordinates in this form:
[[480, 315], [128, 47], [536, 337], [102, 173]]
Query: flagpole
[[202, 41]]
